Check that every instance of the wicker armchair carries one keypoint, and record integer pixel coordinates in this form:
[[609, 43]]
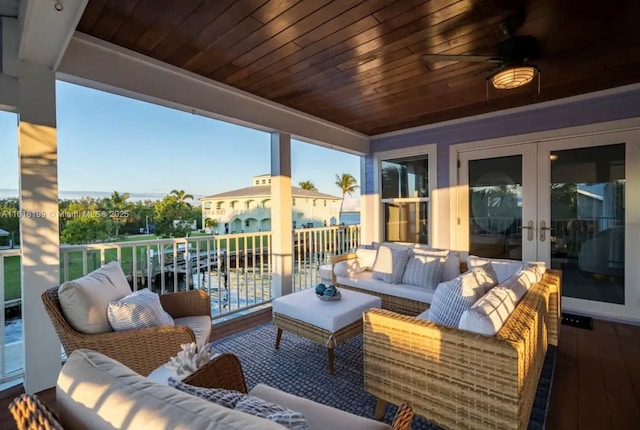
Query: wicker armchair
[[30, 413], [141, 350]]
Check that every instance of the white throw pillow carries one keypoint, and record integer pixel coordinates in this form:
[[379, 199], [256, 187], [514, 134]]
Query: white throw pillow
[[490, 312], [390, 264], [366, 258], [522, 281], [504, 268], [451, 267], [454, 297], [84, 301], [141, 309], [423, 270], [347, 268]]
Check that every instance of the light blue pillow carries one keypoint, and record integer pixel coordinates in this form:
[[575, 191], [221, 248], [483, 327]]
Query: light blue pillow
[[454, 297], [390, 264]]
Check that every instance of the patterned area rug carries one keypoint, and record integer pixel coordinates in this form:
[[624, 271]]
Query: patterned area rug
[[300, 367]]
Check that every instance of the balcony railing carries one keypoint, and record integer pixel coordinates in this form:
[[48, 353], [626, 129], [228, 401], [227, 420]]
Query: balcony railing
[[234, 269]]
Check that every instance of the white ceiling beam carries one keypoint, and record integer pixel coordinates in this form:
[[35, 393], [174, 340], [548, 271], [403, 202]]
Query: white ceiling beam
[[46, 27], [98, 64]]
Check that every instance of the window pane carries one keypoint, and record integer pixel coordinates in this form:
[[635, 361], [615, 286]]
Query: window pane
[[587, 217], [406, 222], [406, 177]]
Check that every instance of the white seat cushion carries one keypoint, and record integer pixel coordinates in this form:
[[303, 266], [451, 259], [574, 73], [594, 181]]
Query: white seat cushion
[[332, 316], [365, 281], [98, 393], [521, 282], [424, 315], [504, 268], [84, 301], [318, 416], [200, 324]]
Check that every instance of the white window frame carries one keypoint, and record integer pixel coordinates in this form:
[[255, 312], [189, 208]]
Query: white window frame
[[431, 152]]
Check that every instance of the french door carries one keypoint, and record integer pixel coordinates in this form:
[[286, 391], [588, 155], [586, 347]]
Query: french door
[[573, 203]]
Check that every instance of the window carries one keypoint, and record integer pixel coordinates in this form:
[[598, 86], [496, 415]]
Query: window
[[246, 223], [294, 224], [257, 181], [293, 202], [314, 202], [219, 205], [269, 180], [325, 203], [264, 182], [207, 206], [405, 199]]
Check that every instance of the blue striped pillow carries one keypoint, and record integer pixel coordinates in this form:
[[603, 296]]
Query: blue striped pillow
[[141, 309]]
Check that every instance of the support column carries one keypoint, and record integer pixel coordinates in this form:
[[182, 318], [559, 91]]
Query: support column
[[39, 235], [369, 202], [281, 217]]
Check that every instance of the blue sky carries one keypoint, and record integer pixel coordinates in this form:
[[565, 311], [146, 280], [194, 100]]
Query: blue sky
[[108, 142]]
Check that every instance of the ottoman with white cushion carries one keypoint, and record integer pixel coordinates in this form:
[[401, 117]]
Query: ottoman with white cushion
[[326, 323]]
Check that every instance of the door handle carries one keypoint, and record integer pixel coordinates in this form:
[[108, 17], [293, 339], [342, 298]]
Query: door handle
[[529, 228], [543, 229]]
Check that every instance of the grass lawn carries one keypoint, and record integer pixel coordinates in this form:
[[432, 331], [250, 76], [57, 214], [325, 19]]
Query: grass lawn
[[75, 260]]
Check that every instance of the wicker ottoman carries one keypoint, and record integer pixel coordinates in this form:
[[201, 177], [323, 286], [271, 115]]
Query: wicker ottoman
[[326, 323]]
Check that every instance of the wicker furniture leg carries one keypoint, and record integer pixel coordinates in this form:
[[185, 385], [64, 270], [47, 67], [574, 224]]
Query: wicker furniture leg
[[330, 356], [316, 334], [380, 405]]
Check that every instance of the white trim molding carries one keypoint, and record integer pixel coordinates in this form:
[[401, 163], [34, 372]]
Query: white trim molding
[[101, 65], [510, 111]]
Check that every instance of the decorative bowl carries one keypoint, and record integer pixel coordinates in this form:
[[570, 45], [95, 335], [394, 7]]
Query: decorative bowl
[[338, 296]]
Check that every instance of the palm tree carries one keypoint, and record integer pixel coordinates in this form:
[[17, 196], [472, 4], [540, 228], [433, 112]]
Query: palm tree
[[347, 184], [210, 223], [307, 185], [118, 208], [181, 196]]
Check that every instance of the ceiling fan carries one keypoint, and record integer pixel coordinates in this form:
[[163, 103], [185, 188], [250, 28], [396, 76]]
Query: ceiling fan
[[512, 56]]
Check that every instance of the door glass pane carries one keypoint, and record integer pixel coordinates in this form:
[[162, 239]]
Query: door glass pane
[[495, 207], [406, 222], [587, 217]]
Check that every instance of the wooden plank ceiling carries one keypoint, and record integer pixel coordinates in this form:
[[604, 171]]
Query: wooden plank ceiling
[[359, 63]]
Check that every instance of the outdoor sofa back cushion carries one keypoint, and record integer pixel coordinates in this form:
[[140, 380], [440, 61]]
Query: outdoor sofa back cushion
[[84, 301], [390, 264], [424, 268], [504, 269], [453, 298], [366, 258], [96, 392], [140, 309]]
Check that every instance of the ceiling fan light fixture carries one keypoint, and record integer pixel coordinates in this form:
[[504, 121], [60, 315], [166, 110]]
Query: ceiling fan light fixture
[[513, 77]]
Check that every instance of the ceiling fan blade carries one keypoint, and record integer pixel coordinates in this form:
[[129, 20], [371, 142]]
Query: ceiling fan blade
[[469, 58]]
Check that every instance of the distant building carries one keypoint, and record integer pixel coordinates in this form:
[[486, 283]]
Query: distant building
[[249, 209]]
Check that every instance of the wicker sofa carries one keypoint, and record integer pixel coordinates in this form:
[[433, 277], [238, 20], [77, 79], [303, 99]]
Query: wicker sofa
[[392, 295], [458, 379]]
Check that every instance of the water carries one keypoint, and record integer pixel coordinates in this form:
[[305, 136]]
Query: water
[[350, 218]]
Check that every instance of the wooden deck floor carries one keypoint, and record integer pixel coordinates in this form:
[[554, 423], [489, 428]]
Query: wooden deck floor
[[596, 384]]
